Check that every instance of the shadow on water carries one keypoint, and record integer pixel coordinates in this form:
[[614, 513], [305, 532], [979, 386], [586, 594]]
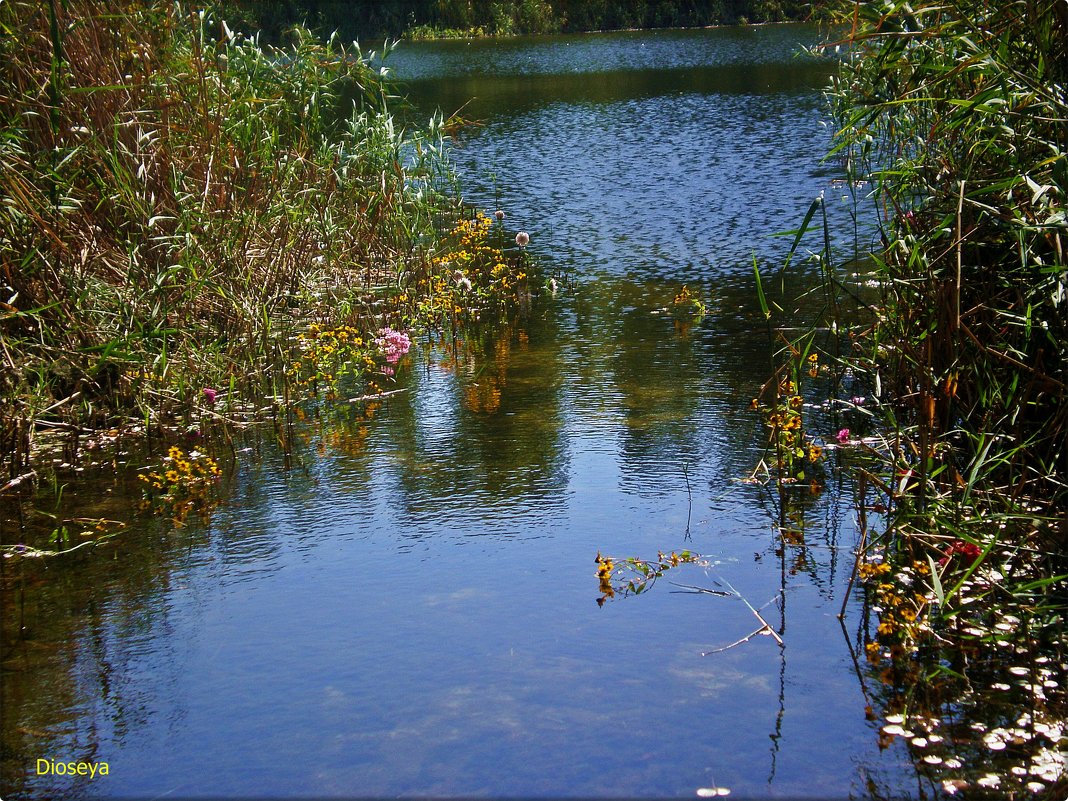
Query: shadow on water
[[485, 98], [411, 609]]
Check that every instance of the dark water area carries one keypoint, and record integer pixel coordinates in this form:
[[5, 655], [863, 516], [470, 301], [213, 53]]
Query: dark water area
[[410, 608]]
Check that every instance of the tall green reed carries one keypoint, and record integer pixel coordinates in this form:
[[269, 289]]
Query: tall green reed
[[956, 114], [176, 196]]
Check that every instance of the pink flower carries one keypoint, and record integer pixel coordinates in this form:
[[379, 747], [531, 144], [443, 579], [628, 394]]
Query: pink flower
[[210, 395], [498, 214], [842, 436], [522, 239], [387, 370], [393, 344]]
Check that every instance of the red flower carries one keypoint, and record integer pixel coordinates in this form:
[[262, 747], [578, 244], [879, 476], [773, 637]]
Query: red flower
[[969, 550]]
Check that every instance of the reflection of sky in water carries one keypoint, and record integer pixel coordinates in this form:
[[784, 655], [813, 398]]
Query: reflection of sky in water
[[410, 609], [718, 178], [692, 153]]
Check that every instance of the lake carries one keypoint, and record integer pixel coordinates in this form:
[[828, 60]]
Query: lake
[[411, 608]]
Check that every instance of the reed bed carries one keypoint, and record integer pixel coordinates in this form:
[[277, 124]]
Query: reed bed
[[957, 115], [178, 201]]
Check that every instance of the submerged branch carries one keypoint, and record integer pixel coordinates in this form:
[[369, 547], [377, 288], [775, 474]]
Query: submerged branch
[[764, 630]]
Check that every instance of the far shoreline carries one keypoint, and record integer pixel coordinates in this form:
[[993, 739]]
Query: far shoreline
[[472, 34]]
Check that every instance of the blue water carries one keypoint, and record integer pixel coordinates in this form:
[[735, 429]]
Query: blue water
[[411, 610]]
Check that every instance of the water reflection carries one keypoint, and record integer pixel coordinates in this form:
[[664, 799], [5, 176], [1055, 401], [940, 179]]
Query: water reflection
[[670, 51], [410, 608], [485, 434], [486, 97], [729, 137]]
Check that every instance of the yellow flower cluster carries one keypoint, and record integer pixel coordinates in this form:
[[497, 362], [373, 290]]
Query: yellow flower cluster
[[900, 607], [870, 570], [328, 353], [469, 274], [188, 470], [785, 421], [183, 486], [633, 575], [605, 566]]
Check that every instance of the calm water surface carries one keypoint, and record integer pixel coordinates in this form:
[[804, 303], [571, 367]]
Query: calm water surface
[[411, 610]]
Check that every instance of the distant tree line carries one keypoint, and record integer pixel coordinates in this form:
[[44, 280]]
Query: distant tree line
[[355, 19]]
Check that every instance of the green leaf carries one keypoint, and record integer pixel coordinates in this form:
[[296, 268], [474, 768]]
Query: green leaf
[[760, 290], [936, 582]]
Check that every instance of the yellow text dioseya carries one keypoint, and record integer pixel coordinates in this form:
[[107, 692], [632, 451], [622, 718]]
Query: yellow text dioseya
[[48, 767]]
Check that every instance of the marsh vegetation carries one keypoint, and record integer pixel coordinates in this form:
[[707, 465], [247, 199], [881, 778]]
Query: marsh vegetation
[[280, 359]]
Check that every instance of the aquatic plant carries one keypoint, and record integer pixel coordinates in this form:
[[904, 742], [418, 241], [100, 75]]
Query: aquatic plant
[[326, 354], [633, 576], [956, 115], [794, 453], [392, 344], [179, 198], [182, 484], [686, 304], [471, 273]]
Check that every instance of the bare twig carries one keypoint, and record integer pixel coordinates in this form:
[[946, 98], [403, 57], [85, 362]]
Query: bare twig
[[377, 395], [1014, 362], [18, 480], [705, 590], [764, 630], [36, 553], [733, 592], [753, 609]]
